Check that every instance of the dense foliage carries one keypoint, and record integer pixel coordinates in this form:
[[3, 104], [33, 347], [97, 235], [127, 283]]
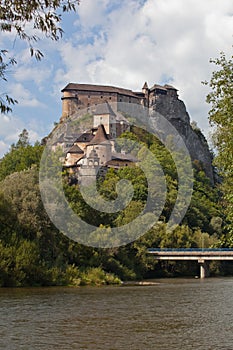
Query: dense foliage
[[34, 252], [221, 118]]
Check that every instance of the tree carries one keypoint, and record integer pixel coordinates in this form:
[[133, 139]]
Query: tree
[[22, 156], [221, 118], [26, 19]]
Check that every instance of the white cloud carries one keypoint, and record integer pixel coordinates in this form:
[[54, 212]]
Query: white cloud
[[38, 74], [12, 126], [24, 96], [3, 147], [159, 41], [121, 43]]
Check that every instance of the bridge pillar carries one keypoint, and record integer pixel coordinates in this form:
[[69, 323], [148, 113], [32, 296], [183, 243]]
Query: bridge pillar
[[204, 268]]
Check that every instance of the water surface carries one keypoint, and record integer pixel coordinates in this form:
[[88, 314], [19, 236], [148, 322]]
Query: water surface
[[174, 314]]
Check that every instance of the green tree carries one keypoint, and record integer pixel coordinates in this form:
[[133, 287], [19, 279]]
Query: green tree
[[22, 156], [23, 139], [221, 118], [26, 19]]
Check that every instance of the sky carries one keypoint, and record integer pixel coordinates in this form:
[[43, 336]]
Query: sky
[[121, 43]]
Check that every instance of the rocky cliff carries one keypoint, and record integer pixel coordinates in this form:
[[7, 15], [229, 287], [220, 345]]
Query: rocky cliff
[[175, 112]]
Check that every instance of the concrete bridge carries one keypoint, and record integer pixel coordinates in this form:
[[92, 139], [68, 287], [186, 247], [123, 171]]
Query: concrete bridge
[[203, 256]]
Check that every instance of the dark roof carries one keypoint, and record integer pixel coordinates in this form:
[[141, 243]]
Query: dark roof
[[100, 136], [120, 117], [104, 108], [121, 156], [75, 149], [170, 87], [139, 94], [145, 86], [85, 137], [98, 88], [158, 87]]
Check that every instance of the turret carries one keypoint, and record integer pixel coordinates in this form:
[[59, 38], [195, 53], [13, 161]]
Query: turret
[[145, 91], [145, 88]]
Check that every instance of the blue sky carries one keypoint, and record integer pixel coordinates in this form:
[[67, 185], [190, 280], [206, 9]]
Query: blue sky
[[122, 43]]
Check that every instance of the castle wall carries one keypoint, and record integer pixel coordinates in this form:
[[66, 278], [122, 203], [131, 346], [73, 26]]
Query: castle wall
[[74, 100], [108, 121], [104, 152]]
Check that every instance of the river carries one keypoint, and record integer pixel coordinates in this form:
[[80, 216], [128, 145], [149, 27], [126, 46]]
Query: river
[[173, 314]]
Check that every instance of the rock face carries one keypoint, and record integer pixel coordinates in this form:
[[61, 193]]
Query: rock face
[[174, 111], [161, 99]]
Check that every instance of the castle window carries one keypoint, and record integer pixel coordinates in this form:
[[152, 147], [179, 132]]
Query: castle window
[[110, 98]]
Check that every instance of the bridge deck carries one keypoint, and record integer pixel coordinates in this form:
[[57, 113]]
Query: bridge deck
[[192, 254]]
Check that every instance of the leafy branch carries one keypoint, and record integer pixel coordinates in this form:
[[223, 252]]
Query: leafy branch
[[23, 17]]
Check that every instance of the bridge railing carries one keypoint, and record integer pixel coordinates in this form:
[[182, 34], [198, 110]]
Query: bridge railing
[[153, 250]]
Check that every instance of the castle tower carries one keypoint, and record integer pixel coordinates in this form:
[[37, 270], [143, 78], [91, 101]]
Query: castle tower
[[89, 171], [69, 104], [93, 159], [101, 144], [145, 88], [145, 91], [104, 115]]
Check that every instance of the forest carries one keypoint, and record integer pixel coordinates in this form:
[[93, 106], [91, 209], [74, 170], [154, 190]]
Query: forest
[[34, 253]]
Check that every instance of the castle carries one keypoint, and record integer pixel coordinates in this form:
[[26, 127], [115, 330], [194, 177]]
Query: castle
[[82, 151], [80, 96], [93, 151]]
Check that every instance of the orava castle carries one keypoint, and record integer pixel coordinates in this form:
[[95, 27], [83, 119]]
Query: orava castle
[[94, 149]]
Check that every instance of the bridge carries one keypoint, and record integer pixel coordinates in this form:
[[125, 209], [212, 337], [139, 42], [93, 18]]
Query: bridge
[[202, 255]]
